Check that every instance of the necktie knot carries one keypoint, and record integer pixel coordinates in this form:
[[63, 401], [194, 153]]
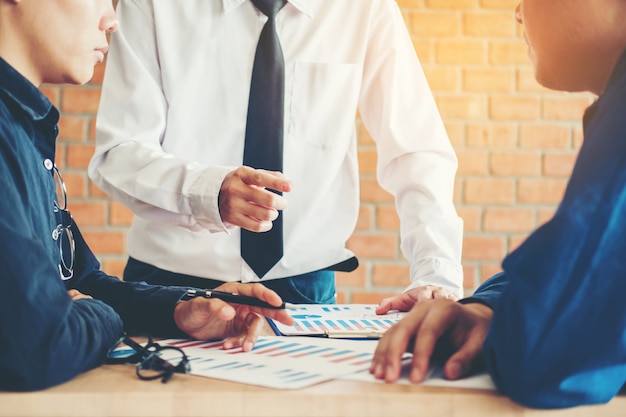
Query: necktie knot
[[269, 7]]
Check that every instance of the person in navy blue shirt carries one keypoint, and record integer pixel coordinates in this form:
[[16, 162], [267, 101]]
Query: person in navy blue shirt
[[59, 313], [551, 328]]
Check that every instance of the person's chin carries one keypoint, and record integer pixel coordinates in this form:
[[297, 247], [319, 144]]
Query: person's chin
[[80, 78]]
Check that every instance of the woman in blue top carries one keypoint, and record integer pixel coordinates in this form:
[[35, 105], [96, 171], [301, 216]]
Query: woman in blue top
[[551, 329], [59, 314]]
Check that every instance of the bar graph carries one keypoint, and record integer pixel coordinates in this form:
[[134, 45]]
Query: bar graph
[[346, 320], [279, 362]]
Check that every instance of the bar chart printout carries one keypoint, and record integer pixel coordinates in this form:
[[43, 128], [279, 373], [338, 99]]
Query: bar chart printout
[[278, 362], [338, 320]]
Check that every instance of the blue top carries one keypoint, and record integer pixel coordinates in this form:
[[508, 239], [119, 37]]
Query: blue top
[[558, 335], [45, 337]]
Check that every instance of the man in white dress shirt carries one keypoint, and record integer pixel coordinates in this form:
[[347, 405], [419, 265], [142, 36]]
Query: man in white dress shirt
[[170, 142]]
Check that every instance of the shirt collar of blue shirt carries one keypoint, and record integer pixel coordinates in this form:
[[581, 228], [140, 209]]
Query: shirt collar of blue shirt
[[26, 99], [618, 72]]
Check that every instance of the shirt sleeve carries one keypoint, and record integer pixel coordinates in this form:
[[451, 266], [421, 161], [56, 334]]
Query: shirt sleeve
[[557, 338], [129, 162], [46, 337], [416, 162], [144, 308], [489, 292]]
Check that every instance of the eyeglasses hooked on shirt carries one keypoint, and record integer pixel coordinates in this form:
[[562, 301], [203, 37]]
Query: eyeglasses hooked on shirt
[[62, 233]]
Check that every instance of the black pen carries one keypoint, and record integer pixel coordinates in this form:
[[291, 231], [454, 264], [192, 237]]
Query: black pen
[[236, 299]]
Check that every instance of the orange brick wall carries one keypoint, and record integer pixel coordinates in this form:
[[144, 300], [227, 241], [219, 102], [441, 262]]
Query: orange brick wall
[[516, 143]]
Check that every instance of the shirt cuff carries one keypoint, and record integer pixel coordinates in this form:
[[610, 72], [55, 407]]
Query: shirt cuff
[[203, 199], [489, 292], [437, 273]]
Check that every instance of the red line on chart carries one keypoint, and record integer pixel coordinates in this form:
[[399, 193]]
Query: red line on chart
[[349, 358], [213, 345]]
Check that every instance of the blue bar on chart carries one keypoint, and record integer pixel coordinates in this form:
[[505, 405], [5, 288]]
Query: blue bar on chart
[[279, 362]]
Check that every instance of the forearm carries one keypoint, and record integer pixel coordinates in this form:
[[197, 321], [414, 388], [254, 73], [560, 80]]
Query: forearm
[[552, 352], [159, 186], [143, 308], [45, 337]]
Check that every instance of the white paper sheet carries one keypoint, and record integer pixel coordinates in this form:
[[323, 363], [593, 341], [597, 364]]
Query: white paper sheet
[[297, 362], [278, 362], [435, 378], [338, 321]]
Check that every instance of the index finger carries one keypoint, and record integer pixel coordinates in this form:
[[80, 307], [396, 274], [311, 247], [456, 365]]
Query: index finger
[[435, 324], [253, 326], [267, 179], [386, 363], [402, 302]]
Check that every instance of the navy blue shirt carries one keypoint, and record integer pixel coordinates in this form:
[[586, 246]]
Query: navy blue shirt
[[45, 337], [558, 335]]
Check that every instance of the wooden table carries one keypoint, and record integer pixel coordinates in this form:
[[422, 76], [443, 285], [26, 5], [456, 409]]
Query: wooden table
[[114, 390]]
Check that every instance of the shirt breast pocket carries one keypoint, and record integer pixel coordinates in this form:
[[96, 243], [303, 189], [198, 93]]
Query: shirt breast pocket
[[322, 102]]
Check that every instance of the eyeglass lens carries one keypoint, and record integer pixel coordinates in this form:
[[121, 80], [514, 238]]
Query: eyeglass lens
[[62, 233], [61, 191], [65, 238], [162, 364], [153, 361]]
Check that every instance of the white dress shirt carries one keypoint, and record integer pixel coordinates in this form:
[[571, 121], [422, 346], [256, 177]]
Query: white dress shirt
[[172, 120]]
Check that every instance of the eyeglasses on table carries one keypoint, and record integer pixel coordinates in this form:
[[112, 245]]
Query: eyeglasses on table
[[152, 360]]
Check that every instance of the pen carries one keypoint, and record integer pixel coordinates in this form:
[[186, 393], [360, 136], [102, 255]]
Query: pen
[[355, 334], [236, 299]]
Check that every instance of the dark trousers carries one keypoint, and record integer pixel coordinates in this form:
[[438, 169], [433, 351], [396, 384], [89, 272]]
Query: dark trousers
[[311, 288]]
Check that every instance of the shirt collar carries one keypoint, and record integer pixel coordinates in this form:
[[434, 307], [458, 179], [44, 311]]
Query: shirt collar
[[24, 97], [24, 94], [304, 6], [616, 76], [618, 71]]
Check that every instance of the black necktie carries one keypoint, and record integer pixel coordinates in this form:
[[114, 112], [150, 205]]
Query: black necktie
[[264, 134]]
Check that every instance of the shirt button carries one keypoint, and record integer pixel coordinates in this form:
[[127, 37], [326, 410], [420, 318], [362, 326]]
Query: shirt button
[[48, 164]]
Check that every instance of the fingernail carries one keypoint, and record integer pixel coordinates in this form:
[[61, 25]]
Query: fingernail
[[389, 372], [454, 370], [416, 375]]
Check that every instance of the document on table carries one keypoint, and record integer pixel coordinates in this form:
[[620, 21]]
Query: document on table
[[434, 378], [278, 362], [338, 321], [297, 362]]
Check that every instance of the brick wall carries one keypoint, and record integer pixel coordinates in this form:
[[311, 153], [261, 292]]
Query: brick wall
[[516, 143]]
